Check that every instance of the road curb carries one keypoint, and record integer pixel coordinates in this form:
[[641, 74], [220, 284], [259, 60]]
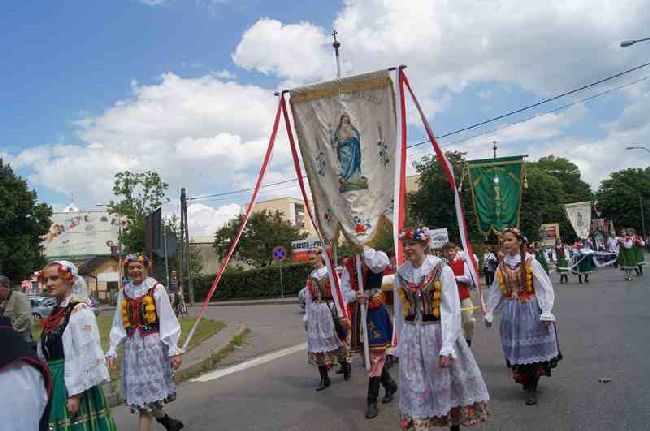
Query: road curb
[[236, 332]]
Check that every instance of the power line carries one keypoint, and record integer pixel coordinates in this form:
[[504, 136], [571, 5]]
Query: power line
[[482, 123]]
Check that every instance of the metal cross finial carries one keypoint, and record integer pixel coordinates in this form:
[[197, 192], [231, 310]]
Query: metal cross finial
[[336, 46]]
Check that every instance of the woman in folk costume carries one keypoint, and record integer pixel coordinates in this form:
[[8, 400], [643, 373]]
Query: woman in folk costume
[[626, 255], [639, 254], [562, 265], [145, 321], [324, 344], [583, 263], [523, 295], [70, 344], [440, 383]]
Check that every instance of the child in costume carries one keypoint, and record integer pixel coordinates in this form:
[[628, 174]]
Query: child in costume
[[440, 383], [145, 321], [460, 268], [324, 343], [523, 295]]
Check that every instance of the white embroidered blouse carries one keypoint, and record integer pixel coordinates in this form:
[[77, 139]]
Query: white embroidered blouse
[[449, 305], [541, 283], [170, 329]]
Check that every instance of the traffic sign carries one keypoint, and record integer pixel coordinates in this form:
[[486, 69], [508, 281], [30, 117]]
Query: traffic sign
[[279, 253]]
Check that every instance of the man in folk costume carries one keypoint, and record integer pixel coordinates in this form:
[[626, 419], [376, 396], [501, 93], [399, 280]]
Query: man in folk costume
[[460, 268], [24, 383], [324, 329], [440, 383], [145, 321], [379, 324], [524, 297], [373, 265]]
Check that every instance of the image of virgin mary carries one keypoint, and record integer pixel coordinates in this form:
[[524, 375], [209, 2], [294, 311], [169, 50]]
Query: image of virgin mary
[[348, 150]]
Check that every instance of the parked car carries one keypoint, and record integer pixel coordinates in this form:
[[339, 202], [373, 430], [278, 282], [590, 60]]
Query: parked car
[[42, 307], [302, 297]]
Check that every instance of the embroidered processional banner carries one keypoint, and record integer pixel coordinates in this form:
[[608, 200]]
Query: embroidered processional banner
[[579, 215], [496, 191], [346, 133]]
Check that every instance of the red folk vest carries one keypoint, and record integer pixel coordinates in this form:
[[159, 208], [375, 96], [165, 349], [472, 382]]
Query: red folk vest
[[458, 268]]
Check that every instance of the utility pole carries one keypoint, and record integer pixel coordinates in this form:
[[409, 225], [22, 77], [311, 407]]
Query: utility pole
[[494, 148], [642, 216], [185, 246], [336, 46]]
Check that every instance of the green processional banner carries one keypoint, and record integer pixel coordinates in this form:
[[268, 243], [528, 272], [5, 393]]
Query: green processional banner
[[496, 191]]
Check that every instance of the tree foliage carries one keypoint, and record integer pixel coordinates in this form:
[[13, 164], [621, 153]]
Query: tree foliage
[[23, 223], [264, 231], [551, 182], [138, 195], [619, 197]]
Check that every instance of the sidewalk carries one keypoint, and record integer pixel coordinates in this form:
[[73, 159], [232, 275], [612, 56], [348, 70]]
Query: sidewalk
[[199, 359]]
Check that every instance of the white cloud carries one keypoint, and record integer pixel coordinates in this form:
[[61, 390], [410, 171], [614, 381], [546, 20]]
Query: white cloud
[[154, 2], [224, 74], [296, 52], [204, 134], [204, 220]]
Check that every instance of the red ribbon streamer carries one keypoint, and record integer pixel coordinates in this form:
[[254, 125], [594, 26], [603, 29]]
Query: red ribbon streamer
[[449, 172], [242, 226], [296, 164]]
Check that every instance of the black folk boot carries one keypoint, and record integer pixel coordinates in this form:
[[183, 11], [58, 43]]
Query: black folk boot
[[347, 370], [169, 423], [455, 428], [373, 392], [531, 391], [324, 378], [389, 386]]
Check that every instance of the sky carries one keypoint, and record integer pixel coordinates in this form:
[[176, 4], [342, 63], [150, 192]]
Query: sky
[[185, 87]]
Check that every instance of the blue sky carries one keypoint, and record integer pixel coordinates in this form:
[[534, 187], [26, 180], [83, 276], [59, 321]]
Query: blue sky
[[185, 86]]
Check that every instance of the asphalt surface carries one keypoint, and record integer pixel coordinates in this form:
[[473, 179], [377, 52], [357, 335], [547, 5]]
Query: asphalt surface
[[603, 333]]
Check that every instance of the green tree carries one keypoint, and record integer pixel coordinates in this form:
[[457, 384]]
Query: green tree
[[264, 231], [138, 195], [575, 189], [542, 201], [619, 197], [23, 223], [432, 205]]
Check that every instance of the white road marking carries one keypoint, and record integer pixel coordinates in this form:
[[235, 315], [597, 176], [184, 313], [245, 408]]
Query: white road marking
[[217, 374]]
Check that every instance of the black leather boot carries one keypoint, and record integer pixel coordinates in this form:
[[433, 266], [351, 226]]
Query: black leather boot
[[170, 424], [347, 370], [455, 428], [389, 386], [324, 378], [531, 392], [373, 392]]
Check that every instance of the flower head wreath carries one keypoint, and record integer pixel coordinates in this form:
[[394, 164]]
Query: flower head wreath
[[420, 234]]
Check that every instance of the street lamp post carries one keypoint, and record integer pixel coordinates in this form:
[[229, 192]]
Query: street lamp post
[[627, 43], [637, 147]]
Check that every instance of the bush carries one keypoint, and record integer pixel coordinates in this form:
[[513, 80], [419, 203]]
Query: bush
[[256, 283]]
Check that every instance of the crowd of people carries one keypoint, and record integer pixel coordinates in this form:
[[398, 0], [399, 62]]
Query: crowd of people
[[57, 384], [426, 325], [431, 331]]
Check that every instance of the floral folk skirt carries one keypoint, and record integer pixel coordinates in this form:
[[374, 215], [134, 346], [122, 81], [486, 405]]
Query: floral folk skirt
[[530, 347], [433, 396], [93, 415], [147, 381]]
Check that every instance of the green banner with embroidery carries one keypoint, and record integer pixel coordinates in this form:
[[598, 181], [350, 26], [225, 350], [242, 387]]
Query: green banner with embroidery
[[496, 191]]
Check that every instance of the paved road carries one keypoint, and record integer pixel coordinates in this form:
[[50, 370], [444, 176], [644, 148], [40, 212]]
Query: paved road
[[603, 333]]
